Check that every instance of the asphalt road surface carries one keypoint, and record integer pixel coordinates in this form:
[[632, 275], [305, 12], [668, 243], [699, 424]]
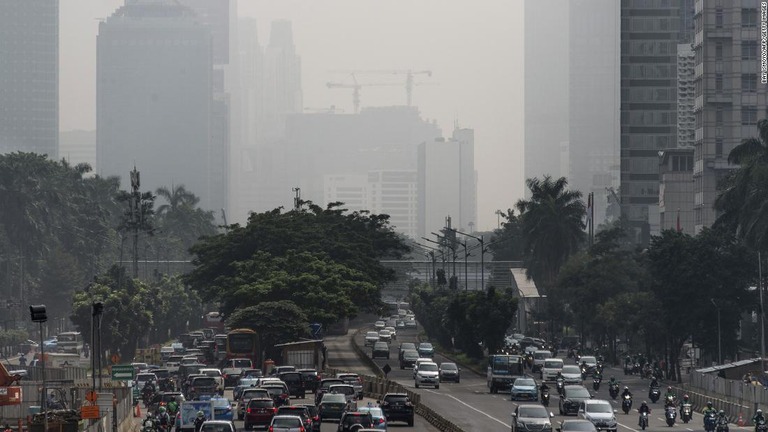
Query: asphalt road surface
[[470, 405]]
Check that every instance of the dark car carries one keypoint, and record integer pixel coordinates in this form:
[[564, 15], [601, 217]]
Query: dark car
[[404, 347], [349, 419], [323, 387], [314, 414], [279, 394], [259, 412], [332, 406], [380, 349], [248, 394], [252, 373], [164, 380], [397, 407], [295, 382], [202, 386], [408, 358], [426, 350], [450, 372], [311, 379], [299, 411], [576, 426], [572, 396]]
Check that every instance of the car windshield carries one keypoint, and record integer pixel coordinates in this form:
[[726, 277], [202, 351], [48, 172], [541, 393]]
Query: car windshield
[[375, 411], [334, 398], [524, 382], [286, 422], [553, 364], [429, 367], [355, 418], [571, 369], [425, 346], [580, 426], [216, 427], [599, 408], [411, 354], [578, 392], [588, 360], [532, 412], [212, 373], [241, 363], [542, 355], [407, 345], [326, 384], [275, 391], [343, 389], [261, 403], [372, 334], [250, 394], [448, 366]]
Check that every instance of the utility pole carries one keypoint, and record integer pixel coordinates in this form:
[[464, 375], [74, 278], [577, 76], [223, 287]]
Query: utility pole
[[297, 198], [466, 270], [135, 209], [482, 256], [762, 312]]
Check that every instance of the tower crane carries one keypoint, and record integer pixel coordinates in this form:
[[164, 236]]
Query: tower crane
[[356, 89], [409, 74]]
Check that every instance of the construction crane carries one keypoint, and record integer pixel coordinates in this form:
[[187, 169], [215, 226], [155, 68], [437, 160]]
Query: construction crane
[[356, 89], [409, 74]]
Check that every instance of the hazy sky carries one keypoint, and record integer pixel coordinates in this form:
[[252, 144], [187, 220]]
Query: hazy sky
[[473, 48]]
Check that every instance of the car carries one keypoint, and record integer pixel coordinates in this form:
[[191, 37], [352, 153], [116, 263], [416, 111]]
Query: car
[[392, 332], [377, 414], [233, 369], [576, 426], [410, 323], [299, 411], [259, 412], [398, 407], [406, 346], [538, 359], [332, 406], [380, 349], [173, 362], [408, 358], [222, 408], [428, 373], [600, 413], [354, 380], [278, 392], [449, 372], [348, 391], [531, 417], [524, 388], [313, 413], [571, 399], [143, 378], [286, 423], [550, 369], [218, 426], [591, 362], [323, 387], [295, 382], [426, 349], [201, 386], [216, 375], [419, 361], [400, 324], [243, 384], [385, 335], [311, 379], [572, 374], [378, 325], [247, 395], [277, 370], [352, 418], [371, 338], [164, 381]]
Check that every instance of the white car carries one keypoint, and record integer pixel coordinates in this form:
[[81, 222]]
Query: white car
[[571, 374], [428, 373], [379, 325], [371, 338], [550, 368], [385, 336], [600, 413], [410, 322], [143, 378], [392, 332], [420, 361], [216, 375]]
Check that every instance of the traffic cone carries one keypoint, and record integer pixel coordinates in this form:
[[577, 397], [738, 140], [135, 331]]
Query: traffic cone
[[138, 410], [740, 421]]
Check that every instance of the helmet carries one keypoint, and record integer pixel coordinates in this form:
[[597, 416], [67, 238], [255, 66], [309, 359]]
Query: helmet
[[721, 412], [626, 388], [669, 388], [644, 403], [685, 396], [200, 414], [162, 409], [709, 404], [759, 411]]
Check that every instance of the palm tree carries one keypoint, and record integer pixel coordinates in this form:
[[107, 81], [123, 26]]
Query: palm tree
[[551, 227], [177, 197], [181, 222], [743, 198]]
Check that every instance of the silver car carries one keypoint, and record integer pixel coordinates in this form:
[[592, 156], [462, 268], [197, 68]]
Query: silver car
[[571, 374], [286, 423], [600, 413], [531, 417]]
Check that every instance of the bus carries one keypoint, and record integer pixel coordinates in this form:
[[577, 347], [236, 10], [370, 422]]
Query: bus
[[220, 347], [70, 342], [243, 343], [502, 371], [215, 321]]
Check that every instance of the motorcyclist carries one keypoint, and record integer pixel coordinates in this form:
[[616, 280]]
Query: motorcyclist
[[670, 397], [758, 418], [654, 382], [644, 408], [199, 420], [721, 417], [612, 382], [543, 387], [149, 422], [626, 392], [685, 401], [163, 419]]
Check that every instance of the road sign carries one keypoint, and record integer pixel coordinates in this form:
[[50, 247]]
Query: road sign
[[92, 396], [122, 373], [115, 359], [89, 412]]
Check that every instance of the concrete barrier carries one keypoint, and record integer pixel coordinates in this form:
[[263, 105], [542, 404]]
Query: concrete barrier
[[732, 410]]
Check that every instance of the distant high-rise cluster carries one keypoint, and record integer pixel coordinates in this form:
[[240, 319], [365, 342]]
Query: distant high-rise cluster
[[29, 76], [686, 120]]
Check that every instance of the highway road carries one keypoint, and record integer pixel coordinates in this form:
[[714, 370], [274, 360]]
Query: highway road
[[470, 405]]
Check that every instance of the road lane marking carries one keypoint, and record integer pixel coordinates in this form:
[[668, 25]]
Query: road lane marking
[[470, 407]]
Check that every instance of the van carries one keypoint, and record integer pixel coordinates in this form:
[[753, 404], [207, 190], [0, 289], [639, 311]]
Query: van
[[550, 368], [165, 353], [538, 359]]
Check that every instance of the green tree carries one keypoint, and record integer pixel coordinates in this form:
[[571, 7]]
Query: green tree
[[274, 321], [180, 222], [507, 242]]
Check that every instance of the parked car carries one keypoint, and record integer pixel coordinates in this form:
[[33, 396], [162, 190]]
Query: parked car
[[371, 338], [449, 372], [332, 406], [426, 349], [380, 349], [259, 412], [531, 417], [398, 407]]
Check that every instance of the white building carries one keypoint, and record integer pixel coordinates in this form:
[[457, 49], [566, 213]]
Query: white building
[[395, 193], [352, 190], [447, 183]]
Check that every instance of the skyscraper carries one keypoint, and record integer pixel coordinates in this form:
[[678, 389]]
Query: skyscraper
[[686, 120], [650, 33], [29, 76], [730, 98], [546, 87], [155, 105], [593, 141], [282, 80]]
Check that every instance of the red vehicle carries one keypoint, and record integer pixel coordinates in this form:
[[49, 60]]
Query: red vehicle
[[259, 413]]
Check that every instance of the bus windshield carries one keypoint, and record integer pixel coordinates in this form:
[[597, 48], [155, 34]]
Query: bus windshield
[[505, 365], [242, 343]]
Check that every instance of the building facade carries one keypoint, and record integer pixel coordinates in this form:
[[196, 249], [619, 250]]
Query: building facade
[[394, 192], [155, 100], [352, 190], [29, 76], [676, 190], [729, 95], [650, 33], [686, 118]]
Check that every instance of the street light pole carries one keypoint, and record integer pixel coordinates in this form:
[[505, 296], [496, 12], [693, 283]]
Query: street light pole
[[719, 342], [762, 312], [449, 246], [466, 272], [482, 256]]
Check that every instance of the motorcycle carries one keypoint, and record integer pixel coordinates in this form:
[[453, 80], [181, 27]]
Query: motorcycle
[[626, 404], [614, 390], [709, 422], [761, 426], [149, 425], [628, 370], [654, 394], [560, 384], [670, 414], [686, 413], [596, 384], [722, 424], [643, 420], [545, 397], [636, 369]]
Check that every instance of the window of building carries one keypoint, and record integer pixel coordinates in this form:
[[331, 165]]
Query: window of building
[[749, 50], [719, 82], [719, 147], [719, 115], [748, 115], [749, 83], [749, 17], [719, 51], [718, 18]]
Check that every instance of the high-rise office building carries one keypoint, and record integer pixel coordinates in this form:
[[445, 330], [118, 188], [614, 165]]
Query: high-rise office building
[[593, 141], [650, 33], [352, 190], [282, 80], [155, 100], [686, 119], [29, 76], [546, 87], [447, 183], [394, 192], [730, 99]]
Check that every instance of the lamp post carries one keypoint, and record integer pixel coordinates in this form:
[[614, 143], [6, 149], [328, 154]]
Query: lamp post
[[762, 312], [451, 247], [432, 255], [482, 256], [38, 315], [466, 272], [719, 344]]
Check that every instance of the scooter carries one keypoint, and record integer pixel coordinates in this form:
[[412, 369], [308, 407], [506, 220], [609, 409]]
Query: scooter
[[643, 420], [710, 422], [654, 394], [596, 384], [670, 414], [686, 413], [614, 390], [560, 384], [545, 397], [626, 404]]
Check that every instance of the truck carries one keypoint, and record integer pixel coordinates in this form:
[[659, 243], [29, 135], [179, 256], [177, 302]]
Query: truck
[[188, 412], [503, 369]]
